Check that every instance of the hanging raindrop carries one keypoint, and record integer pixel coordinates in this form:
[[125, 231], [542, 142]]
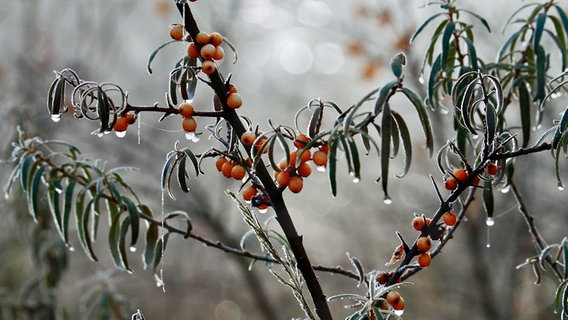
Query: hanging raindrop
[[421, 79], [195, 139], [561, 187], [356, 180], [320, 168], [388, 200], [132, 249], [505, 189], [190, 135], [263, 210], [399, 312], [55, 117], [120, 134], [490, 222]]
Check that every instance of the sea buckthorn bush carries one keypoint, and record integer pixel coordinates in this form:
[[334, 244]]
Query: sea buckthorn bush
[[502, 109]]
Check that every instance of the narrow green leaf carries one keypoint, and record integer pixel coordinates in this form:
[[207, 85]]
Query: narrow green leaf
[[332, 165], [538, 29], [446, 38], [182, 174], [27, 170], [385, 147], [114, 243], [167, 173], [160, 249], [153, 55], [67, 204], [432, 81], [356, 173], [82, 214], [152, 235], [383, 96], [33, 193], [406, 142], [421, 28], [103, 109], [188, 153], [185, 216], [560, 39], [124, 227], [540, 74], [490, 122], [343, 141], [488, 201], [565, 254], [559, 302], [557, 159], [467, 110], [397, 63], [560, 129], [395, 136], [478, 17], [50, 94], [424, 118], [172, 86], [315, 121], [472, 53], [508, 44], [134, 216], [525, 110], [54, 207], [58, 99], [358, 266]]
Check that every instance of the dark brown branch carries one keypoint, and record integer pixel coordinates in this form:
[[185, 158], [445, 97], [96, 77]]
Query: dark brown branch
[[275, 195], [538, 241], [520, 152]]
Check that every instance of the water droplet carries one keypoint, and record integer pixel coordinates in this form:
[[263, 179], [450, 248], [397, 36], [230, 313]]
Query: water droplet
[[488, 245], [399, 312], [120, 134], [444, 110], [490, 222], [320, 168], [100, 134], [6, 196], [56, 117], [505, 189], [421, 79], [195, 139], [561, 187], [356, 180], [190, 135], [132, 249], [474, 136], [388, 200], [263, 210]]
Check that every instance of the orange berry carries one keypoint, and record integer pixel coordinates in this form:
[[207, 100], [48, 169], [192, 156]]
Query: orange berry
[[293, 157], [399, 305], [393, 298], [130, 118], [475, 180], [238, 172], [428, 220], [208, 67], [192, 50], [283, 178], [320, 158], [324, 148], [261, 145], [203, 38], [296, 184], [189, 124], [304, 169], [460, 175], [186, 109], [492, 168], [451, 183], [220, 162], [301, 140], [418, 223], [424, 244], [234, 100], [207, 51], [248, 138], [305, 155], [382, 278], [219, 53], [424, 259], [121, 124], [216, 39], [283, 164], [227, 169], [176, 31], [248, 193], [232, 88], [450, 219]]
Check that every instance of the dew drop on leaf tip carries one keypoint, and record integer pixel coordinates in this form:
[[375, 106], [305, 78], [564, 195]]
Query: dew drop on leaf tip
[[490, 222], [132, 249], [56, 117], [120, 134], [190, 135], [388, 200]]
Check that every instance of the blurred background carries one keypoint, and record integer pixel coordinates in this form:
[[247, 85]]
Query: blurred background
[[289, 53]]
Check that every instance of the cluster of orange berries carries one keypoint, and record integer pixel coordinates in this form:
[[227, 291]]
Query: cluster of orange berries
[[460, 176], [188, 123], [293, 170], [230, 168], [122, 123], [210, 50]]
